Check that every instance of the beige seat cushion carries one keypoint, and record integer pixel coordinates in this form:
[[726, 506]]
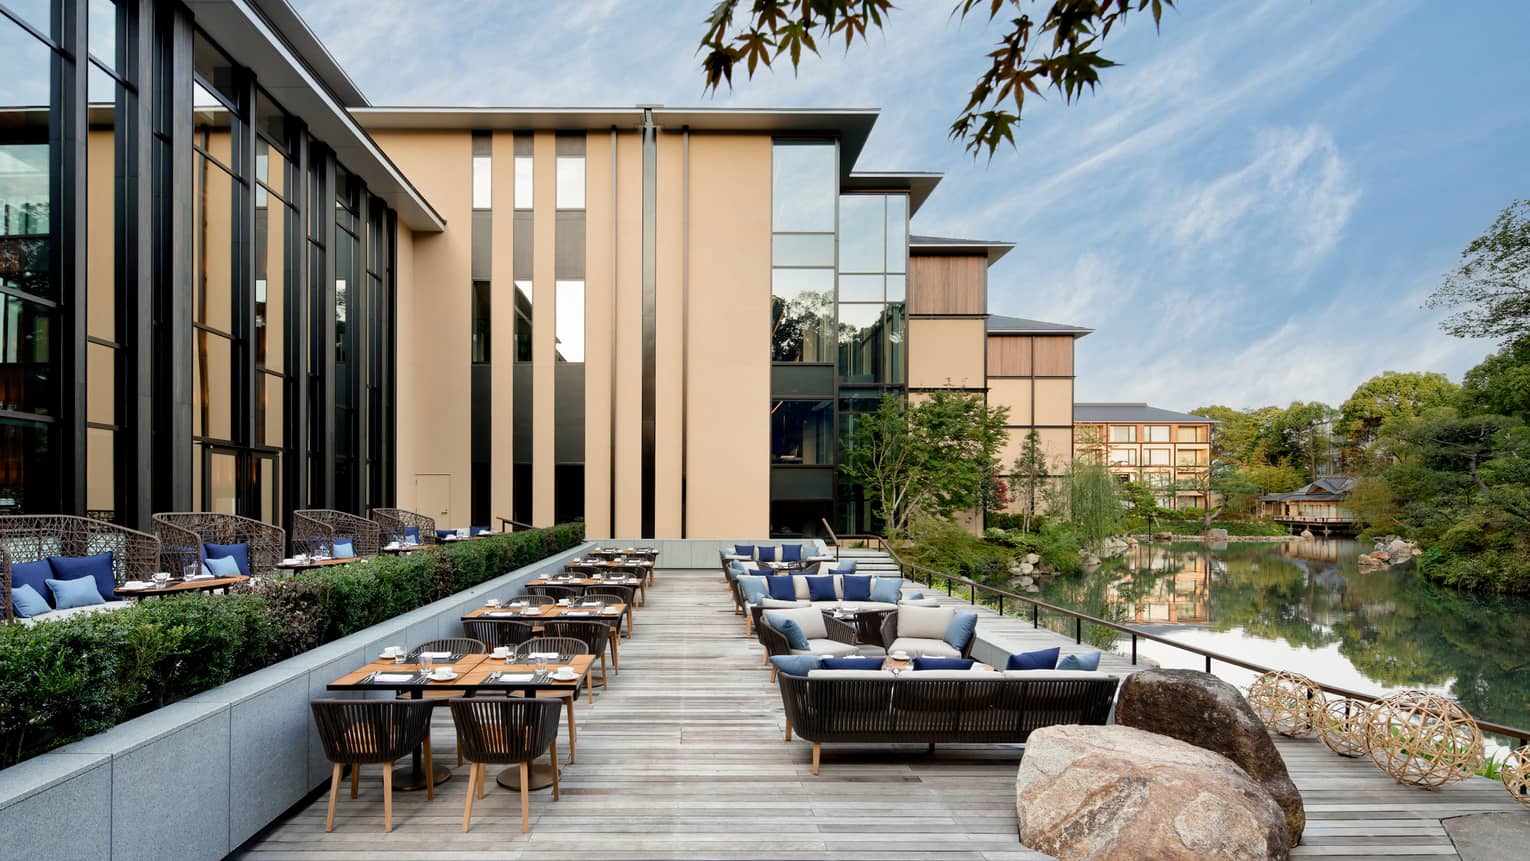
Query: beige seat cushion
[[1050, 675], [776, 604], [960, 675], [850, 674], [925, 623], [808, 618], [828, 648], [921, 647]]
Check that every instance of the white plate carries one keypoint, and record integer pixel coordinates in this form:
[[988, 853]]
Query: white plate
[[611, 611], [445, 678], [531, 611], [568, 678]]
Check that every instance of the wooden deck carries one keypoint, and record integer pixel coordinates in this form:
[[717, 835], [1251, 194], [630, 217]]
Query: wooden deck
[[684, 758]]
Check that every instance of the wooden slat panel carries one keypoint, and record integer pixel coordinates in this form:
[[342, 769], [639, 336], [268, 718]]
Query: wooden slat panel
[[1009, 356], [1054, 356], [947, 285]]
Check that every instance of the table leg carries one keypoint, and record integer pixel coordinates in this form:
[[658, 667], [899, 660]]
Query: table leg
[[540, 775], [412, 778]]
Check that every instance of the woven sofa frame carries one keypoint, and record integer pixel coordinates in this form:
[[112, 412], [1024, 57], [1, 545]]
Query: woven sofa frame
[[31, 537], [394, 521], [905, 710], [314, 531], [182, 534]]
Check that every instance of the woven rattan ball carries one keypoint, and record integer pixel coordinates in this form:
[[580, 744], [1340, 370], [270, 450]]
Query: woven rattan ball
[[1341, 725], [1423, 739], [1515, 775], [1287, 702]]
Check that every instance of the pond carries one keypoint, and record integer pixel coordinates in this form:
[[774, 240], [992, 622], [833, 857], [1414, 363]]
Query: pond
[[1305, 606]]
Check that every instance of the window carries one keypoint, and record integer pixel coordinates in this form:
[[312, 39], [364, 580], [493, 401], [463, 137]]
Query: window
[[1190, 433], [804, 179], [1158, 480], [802, 315], [1156, 457], [483, 178], [802, 432], [1123, 433], [1156, 433], [1190, 457], [1123, 457], [481, 300]]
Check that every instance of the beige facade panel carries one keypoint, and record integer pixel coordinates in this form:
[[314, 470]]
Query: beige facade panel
[[629, 337], [406, 379], [1054, 403], [435, 304], [670, 323], [1054, 355], [1057, 448], [544, 340], [946, 353], [502, 322], [599, 203], [1014, 395], [728, 460], [1009, 356], [948, 284]]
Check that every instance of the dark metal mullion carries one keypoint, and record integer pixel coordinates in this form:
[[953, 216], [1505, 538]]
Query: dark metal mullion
[[173, 205], [135, 257], [324, 362], [68, 155], [650, 324], [246, 493], [388, 389], [358, 306], [295, 466]]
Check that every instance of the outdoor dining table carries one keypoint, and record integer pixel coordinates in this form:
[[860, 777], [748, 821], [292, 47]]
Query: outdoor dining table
[[310, 564], [577, 582], [611, 614], [180, 586], [642, 567], [641, 552], [475, 673], [401, 549]]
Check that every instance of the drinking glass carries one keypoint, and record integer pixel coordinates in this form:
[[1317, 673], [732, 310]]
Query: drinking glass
[[541, 664], [398, 654], [427, 664], [161, 579]]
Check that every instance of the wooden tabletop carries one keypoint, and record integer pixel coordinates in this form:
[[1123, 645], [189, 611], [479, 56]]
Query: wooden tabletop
[[176, 586], [631, 551], [586, 581], [549, 611], [408, 548], [316, 563], [608, 563], [473, 671]]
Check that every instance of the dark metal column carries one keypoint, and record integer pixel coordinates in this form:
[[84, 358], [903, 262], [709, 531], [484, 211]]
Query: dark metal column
[[135, 273], [650, 311], [71, 130]]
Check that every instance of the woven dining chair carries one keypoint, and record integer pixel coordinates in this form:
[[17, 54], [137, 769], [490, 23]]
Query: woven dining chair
[[563, 646], [367, 732], [499, 632], [595, 635], [455, 645], [555, 592], [536, 600], [614, 594], [506, 731]]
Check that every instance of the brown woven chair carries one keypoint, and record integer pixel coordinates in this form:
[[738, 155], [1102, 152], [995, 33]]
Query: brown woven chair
[[366, 732], [455, 645], [563, 646], [182, 534], [536, 600], [595, 635], [33, 537], [314, 531], [395, 521], [555, 592], [499, 632], [775, 642], [508, 731], [613, 595]]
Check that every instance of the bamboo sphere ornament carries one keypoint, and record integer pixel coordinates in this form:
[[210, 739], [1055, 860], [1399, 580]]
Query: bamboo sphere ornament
[[1288, 703], [1515, 775], [1423, 739], [1341, 725]]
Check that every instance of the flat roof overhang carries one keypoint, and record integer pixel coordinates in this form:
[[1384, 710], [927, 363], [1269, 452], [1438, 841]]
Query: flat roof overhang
[[937, 245], [918, 183]]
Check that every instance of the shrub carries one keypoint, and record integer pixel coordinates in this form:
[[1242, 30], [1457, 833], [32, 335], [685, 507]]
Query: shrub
[[62, 681]]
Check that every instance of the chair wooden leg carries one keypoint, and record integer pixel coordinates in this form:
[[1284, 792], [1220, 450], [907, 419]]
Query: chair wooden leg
[[552, 751], [816, 747], [334, 791], [474, 774], [572, 733], [616, 664], [788, 730], [589, 687], [430, 774], [773, 669], [355, 777], [482, 787], [388, 797], [525, 799], [603, 671]]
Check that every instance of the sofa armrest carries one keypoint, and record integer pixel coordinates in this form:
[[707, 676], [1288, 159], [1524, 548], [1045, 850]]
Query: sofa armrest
[[839, 630], [890, 628]]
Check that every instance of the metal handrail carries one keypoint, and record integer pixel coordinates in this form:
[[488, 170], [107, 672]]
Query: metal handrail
[[513, 524], [1037, 606]]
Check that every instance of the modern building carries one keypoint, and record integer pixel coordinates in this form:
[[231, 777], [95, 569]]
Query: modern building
[[1169, 451], [233, 284]]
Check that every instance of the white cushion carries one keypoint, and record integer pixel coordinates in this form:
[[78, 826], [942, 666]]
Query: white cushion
[[858, 605], [923, 648], [775, 604], [801, 585], [828, 648], [918, 602], [850, 674], [924, 623], [961, 675], [1035, 675], [88, 609], [809, 619]]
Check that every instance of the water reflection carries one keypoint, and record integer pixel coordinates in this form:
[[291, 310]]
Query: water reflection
[[1305, 606]]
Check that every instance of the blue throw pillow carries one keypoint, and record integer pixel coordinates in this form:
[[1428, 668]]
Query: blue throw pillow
[[34, 574], [886, 590], [845, 566], [442, 534], [922, 663], [480, 530], [916, 596], [240, 553], [866, 663], [79, 592], [791, 552], [222, 566], [97, 567], [795, 638], [743, 550], [767, 554], [858, 587], [343, 548], [28, 602], [959, 631], [797, 665], [411, 535], [1041, 659], [1090, 662], [782, 588], [821, 589], [754, 588]]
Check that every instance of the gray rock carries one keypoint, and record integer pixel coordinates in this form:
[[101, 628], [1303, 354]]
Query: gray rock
[[1218, 533], [1032, 559], [1104, 793], [1201, 709]]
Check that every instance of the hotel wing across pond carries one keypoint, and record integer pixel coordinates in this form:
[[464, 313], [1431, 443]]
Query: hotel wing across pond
[[233, 284]]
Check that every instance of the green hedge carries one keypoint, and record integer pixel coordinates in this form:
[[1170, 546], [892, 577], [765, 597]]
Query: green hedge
[[62, 681]]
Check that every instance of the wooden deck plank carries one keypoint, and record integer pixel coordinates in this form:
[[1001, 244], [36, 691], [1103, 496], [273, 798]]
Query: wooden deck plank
[[683, 758]]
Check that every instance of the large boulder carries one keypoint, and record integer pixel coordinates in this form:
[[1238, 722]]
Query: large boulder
[[1207, 712], [1113, 793]]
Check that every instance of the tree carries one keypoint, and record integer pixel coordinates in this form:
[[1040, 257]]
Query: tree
[[1389, 396], [935, 457], [1030, 477], [1217, 484], [1500, 384], [1491, 289], [1061, 52], [1090, 498]]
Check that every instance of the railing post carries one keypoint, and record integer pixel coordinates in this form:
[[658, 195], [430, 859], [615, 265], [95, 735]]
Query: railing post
[[1001, 605], [1078, 630], [1035, 616], [1134, 650], [1208, 664], [972, 593]]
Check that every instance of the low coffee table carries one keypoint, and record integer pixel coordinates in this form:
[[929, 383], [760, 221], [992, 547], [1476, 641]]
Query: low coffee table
[[868, 624]]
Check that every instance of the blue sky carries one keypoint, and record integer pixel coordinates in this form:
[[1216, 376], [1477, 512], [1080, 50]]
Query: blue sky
[[1250, 210]]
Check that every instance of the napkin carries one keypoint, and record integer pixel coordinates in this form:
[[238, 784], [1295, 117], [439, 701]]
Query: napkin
[[135, 584], [550, 656], [191, 577], [577, 613], [393, 678], [436, 656], [589, 603], [516, 678]]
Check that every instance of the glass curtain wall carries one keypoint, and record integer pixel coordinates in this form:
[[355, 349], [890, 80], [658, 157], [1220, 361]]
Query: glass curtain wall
[[568, 330], [804, 221], [481, 409], [275, 226]]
